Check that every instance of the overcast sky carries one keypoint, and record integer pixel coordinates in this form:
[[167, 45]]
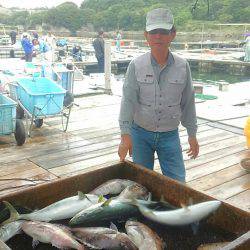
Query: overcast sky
[[29, 4]]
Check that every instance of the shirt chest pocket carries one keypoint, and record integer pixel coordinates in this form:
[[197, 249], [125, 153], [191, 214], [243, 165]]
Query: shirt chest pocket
[[174, 89], [147, 89]]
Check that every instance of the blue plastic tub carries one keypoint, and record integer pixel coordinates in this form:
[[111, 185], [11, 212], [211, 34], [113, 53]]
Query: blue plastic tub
[[40, 96], [66, 77], [7, 115]]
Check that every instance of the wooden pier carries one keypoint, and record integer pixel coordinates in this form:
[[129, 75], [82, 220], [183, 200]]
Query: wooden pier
[[92, 140], [204, 62]]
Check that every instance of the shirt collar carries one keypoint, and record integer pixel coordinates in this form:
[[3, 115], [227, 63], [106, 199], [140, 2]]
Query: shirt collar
[[170, 59]]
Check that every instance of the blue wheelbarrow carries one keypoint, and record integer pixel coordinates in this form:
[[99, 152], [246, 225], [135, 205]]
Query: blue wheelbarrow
[[8, 122]]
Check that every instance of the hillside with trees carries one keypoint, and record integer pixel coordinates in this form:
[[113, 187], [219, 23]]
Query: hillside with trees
[[130, 14]]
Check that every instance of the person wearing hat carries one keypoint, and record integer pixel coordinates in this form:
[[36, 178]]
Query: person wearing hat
[[157, 96]]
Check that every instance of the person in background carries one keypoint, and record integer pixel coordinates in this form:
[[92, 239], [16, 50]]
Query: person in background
[[247, 49], [157, 96], [27, 47], [44, 49], [50, 40], [77, 53], [118, 41], [13, 35], [34, 38], [98, 45], [35, 35]]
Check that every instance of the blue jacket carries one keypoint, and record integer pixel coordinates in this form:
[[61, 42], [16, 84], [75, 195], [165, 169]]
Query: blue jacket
[[27, 45]]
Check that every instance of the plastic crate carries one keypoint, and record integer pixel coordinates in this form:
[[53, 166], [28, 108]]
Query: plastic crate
[[40, 96], [7, 115], [13, 91], [65, 75], [31, 69]]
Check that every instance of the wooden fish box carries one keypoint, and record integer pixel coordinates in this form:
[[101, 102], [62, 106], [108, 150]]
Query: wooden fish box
[[229, 222]]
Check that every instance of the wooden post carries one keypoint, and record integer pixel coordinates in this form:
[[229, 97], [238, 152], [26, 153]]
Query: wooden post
[[107, 67]]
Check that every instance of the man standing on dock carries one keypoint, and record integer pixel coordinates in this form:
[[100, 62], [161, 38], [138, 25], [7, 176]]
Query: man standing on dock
[[157, 96], [27, 47], [98, 45]]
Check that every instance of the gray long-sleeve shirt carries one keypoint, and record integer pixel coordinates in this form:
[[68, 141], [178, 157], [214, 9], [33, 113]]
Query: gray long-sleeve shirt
[[156, 98]]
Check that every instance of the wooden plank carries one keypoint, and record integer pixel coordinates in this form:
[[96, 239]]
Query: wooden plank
[[214, 166], [205, 139], [215, 178], [206, 157], [222, 144], [231, 188], [241, 200], [54, 159], [17, 185], [56, 143], [74, 156], [213, 154], [69, 169], [15, 167]]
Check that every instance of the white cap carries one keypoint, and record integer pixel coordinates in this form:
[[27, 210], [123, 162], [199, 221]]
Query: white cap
[[159, 19]]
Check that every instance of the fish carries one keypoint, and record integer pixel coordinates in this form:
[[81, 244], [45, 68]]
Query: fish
[[134, 191], [113, 209], [5, 213], [3, 246], [181, 216], [63, 209], [103, 238], [11, 229], [114, 186], [143, 237], [55, 235]]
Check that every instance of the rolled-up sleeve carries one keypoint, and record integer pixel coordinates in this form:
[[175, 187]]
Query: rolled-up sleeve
[[129, 100], [188, 117]]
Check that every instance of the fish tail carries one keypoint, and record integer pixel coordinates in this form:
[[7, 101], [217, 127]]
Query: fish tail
[[14, 215]]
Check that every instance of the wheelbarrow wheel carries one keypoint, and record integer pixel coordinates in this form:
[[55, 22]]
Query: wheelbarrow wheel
[[20, 134], [19, 112], [38, 123]]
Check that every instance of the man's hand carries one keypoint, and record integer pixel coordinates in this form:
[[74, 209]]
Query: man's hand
[[194, 147], [125, 147]]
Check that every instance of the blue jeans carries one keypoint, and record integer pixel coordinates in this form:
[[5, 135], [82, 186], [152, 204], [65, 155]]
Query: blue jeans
[[165, 144], [100, 61]]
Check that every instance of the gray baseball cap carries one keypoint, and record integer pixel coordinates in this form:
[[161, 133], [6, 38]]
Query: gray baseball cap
[[159, 19]]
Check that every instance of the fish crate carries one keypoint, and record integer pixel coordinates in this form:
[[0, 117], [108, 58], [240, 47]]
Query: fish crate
[[7, 115], [227, 224], [40, 96], [63, 76], [32, 69]]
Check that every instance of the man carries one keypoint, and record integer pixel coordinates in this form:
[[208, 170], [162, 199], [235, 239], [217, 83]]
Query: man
[[13, 35], [98, 45], [157, 96], [27, 47]]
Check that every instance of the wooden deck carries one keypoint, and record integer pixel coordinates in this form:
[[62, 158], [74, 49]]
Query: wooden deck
[[92, 141]]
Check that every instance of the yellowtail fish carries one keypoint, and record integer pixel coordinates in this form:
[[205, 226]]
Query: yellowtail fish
[[59, 210]]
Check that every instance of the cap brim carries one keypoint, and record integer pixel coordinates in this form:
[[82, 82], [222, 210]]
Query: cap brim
[[165, 26]]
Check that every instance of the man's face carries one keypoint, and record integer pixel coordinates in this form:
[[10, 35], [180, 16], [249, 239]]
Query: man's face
[[159, 38]]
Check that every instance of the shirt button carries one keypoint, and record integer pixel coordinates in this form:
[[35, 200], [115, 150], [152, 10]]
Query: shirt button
[[160, 104], [159, 119]]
